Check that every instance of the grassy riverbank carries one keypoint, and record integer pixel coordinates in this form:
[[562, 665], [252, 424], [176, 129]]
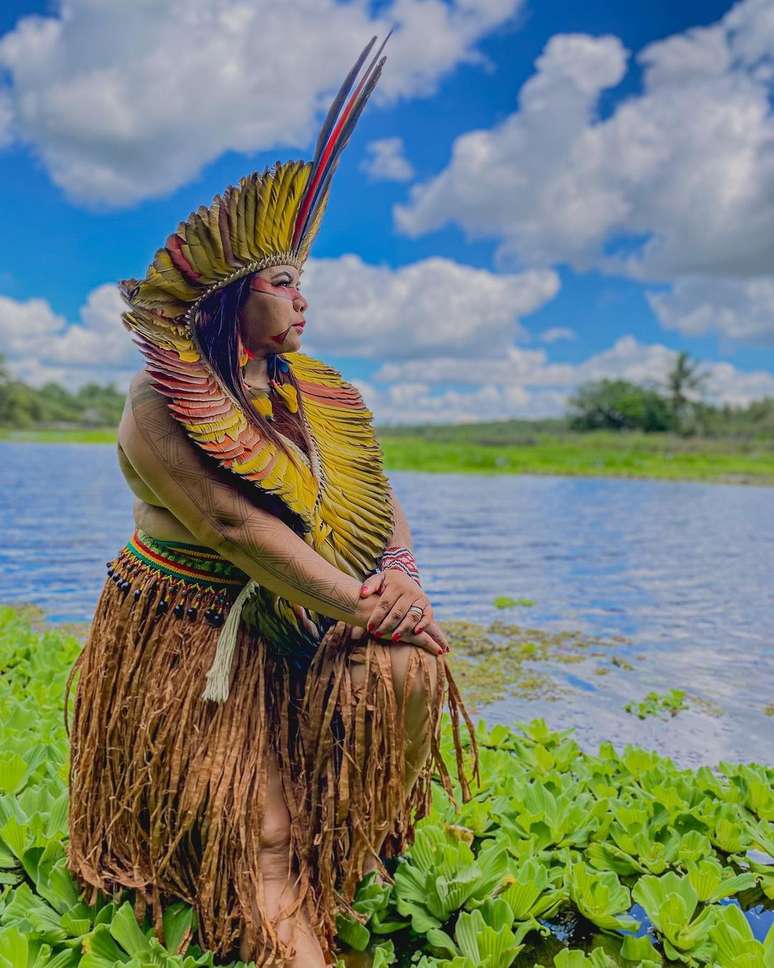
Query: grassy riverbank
[[563, 858], [513, 447]]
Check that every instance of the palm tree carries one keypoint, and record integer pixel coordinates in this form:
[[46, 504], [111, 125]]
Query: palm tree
[[684, 376]]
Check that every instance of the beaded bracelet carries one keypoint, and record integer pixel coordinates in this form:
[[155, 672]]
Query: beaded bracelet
[[398, 556]]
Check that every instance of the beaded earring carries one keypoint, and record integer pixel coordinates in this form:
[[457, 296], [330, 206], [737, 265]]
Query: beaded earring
[[244, 355]]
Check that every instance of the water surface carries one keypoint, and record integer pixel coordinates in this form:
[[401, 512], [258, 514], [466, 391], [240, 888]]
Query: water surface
[[683, 569]]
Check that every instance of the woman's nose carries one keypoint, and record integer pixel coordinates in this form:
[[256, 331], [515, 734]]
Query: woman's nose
[[300, 303]]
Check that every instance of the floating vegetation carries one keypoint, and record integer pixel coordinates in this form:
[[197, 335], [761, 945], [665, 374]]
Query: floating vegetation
[[503, 601], [670, 702], [561, 858], [489, 662]]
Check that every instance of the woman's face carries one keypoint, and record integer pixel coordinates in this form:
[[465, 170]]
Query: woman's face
[[272, 316]]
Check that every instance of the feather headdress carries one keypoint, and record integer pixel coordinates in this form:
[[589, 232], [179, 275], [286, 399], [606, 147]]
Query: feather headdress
[[269, 218]]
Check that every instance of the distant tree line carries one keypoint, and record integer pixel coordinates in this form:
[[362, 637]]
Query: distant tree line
[[23, 406], [675, 406]]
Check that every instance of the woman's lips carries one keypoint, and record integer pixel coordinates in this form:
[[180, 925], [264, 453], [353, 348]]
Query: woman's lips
[[301, 324]]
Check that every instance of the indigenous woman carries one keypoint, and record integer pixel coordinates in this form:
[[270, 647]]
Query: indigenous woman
[[257, 716]]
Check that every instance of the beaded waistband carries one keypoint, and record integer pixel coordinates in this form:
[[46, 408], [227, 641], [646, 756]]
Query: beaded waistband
[[190, 563]]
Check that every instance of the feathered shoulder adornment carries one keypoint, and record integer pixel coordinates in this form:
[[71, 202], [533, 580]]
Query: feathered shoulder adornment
[[339, 492]]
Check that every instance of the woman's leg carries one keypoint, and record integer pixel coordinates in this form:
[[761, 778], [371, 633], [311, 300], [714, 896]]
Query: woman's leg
[[279, 890]]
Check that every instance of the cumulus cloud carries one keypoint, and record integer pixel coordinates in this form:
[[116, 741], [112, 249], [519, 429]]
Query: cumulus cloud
[[126, 101], [525, 383], [418, 310], [40, 345], [385, 161], [445, 363], [677, 181], [740, 309]]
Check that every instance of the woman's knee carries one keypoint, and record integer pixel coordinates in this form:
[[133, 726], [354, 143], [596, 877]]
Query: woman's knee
[[412, 661], [274, 838]]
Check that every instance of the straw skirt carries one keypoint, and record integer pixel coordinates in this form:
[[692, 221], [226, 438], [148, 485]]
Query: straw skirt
[[167, 789]]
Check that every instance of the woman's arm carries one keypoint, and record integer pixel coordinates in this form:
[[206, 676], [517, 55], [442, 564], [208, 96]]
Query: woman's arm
[[212, 504], [401, 534]]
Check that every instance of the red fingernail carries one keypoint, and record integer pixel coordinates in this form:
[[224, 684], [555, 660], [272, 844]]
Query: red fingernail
[[370, 627], [394, 636]]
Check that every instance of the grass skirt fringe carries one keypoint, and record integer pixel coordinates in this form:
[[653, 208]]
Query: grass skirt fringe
[[167, 790]]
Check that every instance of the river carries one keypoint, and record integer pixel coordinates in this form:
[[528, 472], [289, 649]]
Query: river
[[682, 570]]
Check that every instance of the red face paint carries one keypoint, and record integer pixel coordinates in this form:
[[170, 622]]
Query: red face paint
[[280, 339], [259, 284]]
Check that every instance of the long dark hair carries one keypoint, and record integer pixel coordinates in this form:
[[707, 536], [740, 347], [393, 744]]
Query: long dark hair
[[216, 331]]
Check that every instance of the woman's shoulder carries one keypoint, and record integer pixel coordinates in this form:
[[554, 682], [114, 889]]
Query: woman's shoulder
[[145, 422]]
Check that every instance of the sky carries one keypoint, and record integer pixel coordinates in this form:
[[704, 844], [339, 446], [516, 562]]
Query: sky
[[538, 194]]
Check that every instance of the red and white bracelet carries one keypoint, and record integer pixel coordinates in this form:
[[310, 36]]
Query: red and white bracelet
[[398, 556]]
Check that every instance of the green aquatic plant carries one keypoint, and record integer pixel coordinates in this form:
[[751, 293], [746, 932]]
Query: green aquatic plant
[[734, 944], [600, 897], [442, 875], [671, 903], [599, 958], [504, 601], [564, 839], [484, 937], [671, 702]]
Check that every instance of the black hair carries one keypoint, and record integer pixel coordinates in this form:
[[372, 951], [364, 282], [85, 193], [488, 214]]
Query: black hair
[[216, 331]]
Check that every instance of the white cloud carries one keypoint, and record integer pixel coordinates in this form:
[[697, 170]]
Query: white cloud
[[740, 309], [428, 307], [555, 333], [386, 160], [525, 383], [126, 101], [677, 182], [39, 345], [434, 373]]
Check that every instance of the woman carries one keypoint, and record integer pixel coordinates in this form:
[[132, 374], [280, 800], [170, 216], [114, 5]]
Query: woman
[[257, 715]]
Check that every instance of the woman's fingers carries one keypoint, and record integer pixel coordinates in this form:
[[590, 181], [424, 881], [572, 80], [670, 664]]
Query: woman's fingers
[[423, 640], [389, 613], [411, 620], [372, 584], [303, 617], [357, 632], [436, 633], [426, 618]]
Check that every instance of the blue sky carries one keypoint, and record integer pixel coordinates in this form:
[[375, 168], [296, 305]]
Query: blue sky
[[667, 155]]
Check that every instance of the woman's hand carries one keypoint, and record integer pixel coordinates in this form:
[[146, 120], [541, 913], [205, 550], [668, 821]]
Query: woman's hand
[[397, 593], [342, 632]]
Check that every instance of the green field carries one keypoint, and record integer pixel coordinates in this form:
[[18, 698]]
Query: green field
[[514, 447]]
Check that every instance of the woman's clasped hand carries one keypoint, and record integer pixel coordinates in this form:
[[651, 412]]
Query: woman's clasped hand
[[391, 617]]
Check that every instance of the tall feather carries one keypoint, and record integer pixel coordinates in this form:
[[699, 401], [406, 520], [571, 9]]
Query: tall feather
[[336, 132], [348, 125]]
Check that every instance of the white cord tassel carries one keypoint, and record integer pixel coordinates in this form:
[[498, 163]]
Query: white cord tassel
[[220, 671]]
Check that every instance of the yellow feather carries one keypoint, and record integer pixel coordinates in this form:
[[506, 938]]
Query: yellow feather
[[249, 190]]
